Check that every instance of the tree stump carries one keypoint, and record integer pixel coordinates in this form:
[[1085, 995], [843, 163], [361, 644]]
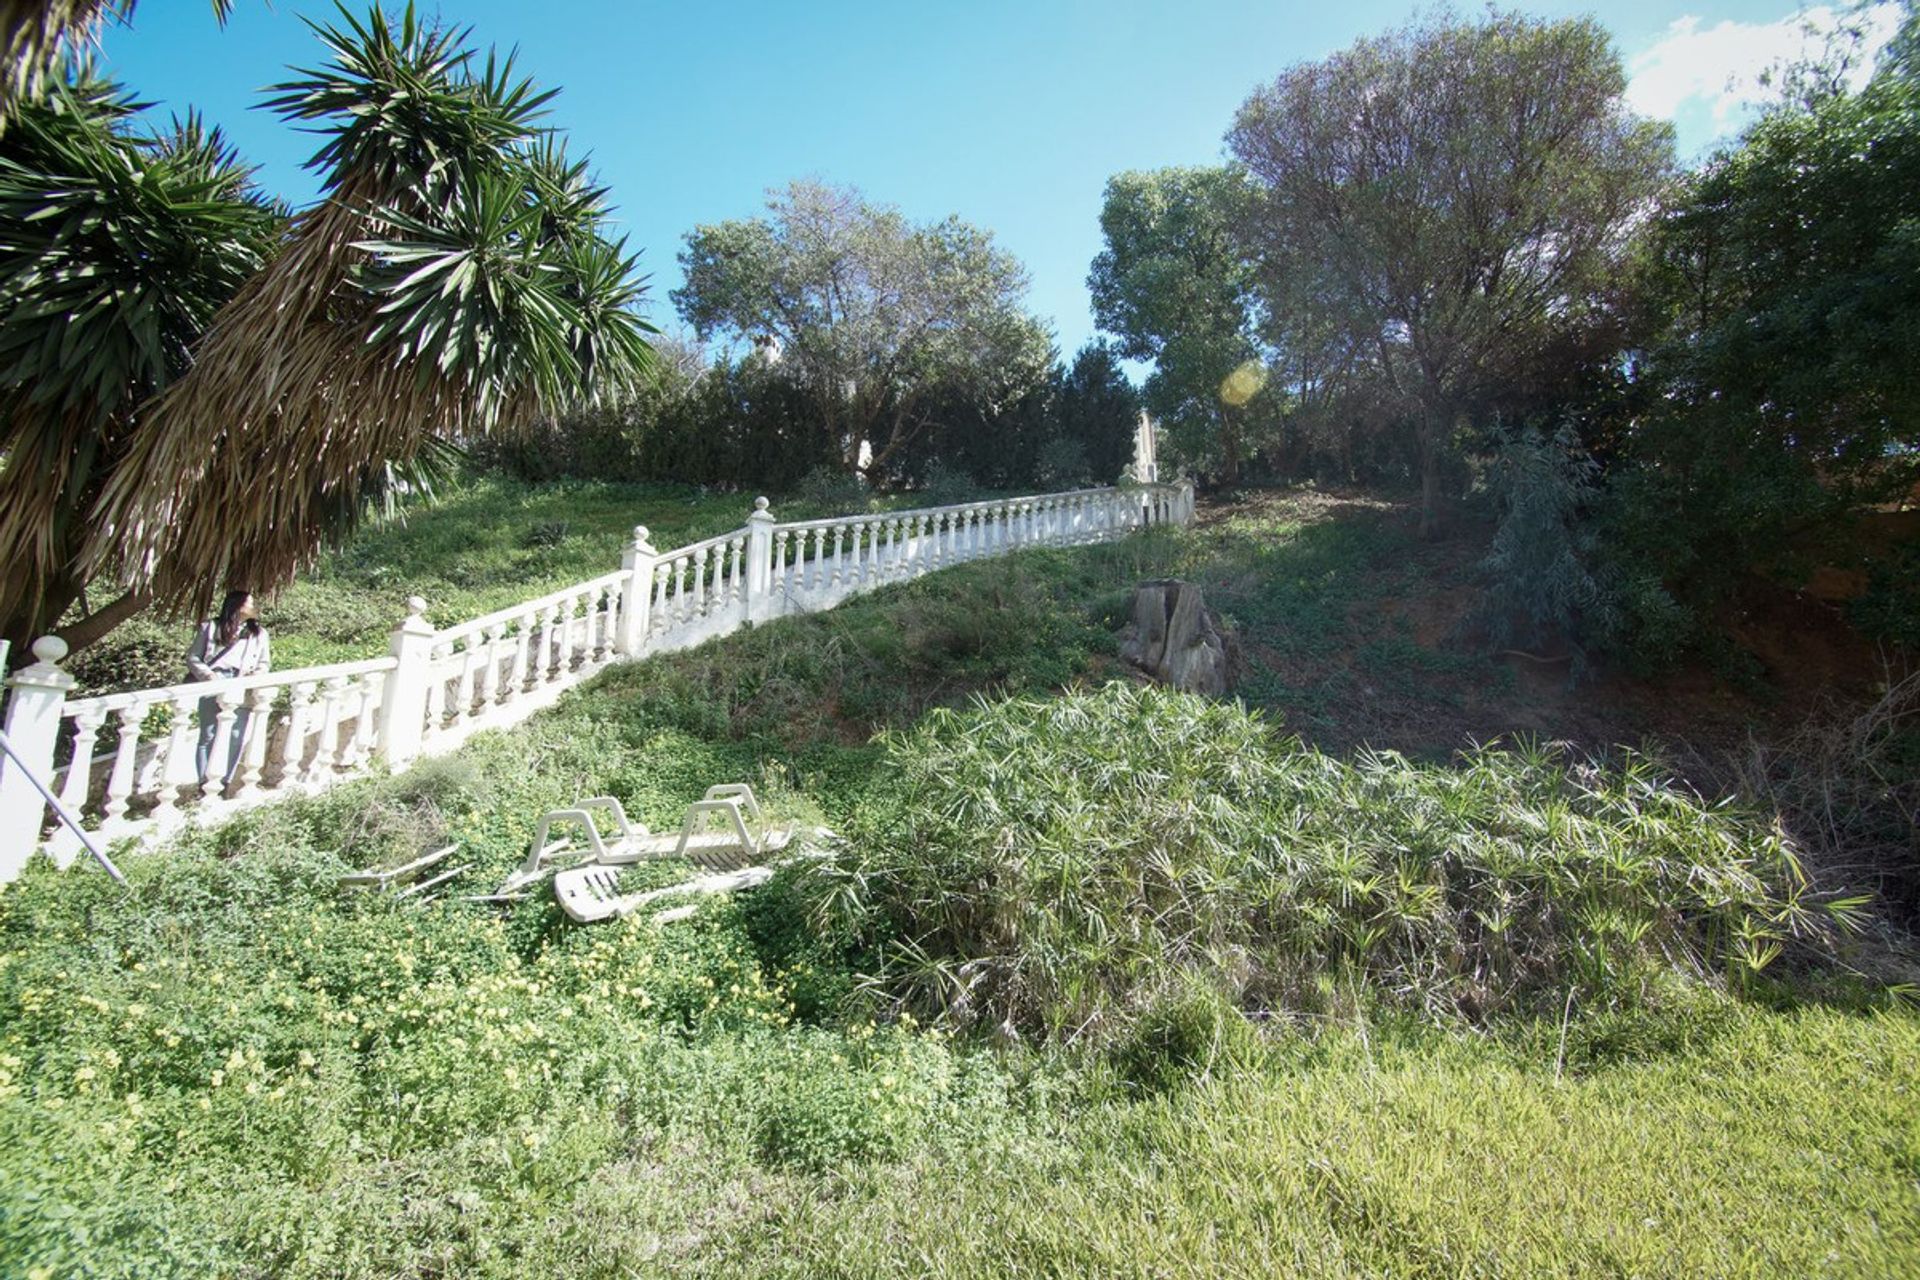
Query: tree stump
[[1174, 638]]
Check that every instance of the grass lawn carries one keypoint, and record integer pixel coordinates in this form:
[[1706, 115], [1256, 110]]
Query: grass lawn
[[236, 1069]]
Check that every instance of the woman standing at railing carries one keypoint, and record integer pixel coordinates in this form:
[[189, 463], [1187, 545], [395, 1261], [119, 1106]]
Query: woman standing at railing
[[231, 644]]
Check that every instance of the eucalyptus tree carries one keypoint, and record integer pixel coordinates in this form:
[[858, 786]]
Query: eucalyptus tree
[[454, 279], [1174, 287], [876, 317], [1452, 201]]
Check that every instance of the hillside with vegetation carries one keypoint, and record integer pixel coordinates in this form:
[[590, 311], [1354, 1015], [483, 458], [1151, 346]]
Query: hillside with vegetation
[[1540, 899], [1262, 999]]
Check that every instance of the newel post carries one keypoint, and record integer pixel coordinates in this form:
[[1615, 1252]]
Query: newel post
[[33, 726], [759, 562], [636, 591], [403, 720]]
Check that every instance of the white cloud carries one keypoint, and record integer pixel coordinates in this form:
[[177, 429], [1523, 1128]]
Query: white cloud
[[1717, 69]]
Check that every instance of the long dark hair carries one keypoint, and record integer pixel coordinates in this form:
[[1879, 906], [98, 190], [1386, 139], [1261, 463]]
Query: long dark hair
[[228, 626]]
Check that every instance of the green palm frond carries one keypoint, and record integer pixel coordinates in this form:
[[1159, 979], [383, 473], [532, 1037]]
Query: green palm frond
[[35, 35]]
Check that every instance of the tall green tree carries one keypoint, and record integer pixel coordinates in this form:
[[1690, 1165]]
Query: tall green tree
[[1451, 202], [1785, 389], [877, 318], [455, 279], [1173, 286]]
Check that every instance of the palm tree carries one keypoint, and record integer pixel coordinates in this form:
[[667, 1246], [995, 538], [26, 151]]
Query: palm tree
[[454, 279], [118, 249], [36, 34]]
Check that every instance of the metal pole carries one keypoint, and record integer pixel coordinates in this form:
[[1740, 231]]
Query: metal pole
[[60, 810]]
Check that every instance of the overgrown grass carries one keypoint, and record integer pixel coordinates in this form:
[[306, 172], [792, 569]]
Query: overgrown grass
[[1330, 1064], [483, 543]]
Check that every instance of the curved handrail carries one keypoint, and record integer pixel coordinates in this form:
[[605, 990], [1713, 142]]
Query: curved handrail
[[829, 522], [513, 613], [110, 702]]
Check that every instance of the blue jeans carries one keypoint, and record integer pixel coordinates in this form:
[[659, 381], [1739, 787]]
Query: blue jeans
[[209, 728]]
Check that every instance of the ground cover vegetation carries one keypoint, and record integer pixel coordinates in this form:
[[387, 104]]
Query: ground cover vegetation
[[1141, 980]]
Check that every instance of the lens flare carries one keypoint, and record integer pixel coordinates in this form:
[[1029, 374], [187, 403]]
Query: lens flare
[[1244, 383]]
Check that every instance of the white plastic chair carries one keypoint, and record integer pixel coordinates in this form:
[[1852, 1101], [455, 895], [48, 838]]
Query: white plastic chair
[[592, 893], [742, 834]]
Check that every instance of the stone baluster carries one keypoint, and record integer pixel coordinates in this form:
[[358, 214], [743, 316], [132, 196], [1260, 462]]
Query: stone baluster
[[219, 755], [253, 751], [685, 604], [486, 680], [293, 750], [359, 693], [660, 613], [576, 621], [593, 642], [463, 687], [86, 730], [522, 652], [553, 633], [697, 606], [890, 552], [327, 728], [613, 622], [176, 767], [436, 701], [126, 757]]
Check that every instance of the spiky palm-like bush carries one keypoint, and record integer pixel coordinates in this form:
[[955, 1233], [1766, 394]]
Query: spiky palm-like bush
[[120, 248], [455, 278], [1052, 866]]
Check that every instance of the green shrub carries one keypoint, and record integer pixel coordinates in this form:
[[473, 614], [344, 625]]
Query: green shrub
[[1062, 463], [1540, 586], [1182, 1035], [947, 484], [1048, 865], [1890, 608], [832, 490]]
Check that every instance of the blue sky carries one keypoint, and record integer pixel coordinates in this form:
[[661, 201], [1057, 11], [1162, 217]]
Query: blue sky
[[1012, 115]]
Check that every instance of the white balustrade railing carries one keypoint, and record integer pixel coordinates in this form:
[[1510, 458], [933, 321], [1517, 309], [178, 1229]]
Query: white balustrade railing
[[130, 763]]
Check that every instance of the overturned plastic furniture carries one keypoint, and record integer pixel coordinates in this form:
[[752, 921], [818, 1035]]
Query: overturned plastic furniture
[[722, 829], [546, 853], [410, 879], [591, 893]]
